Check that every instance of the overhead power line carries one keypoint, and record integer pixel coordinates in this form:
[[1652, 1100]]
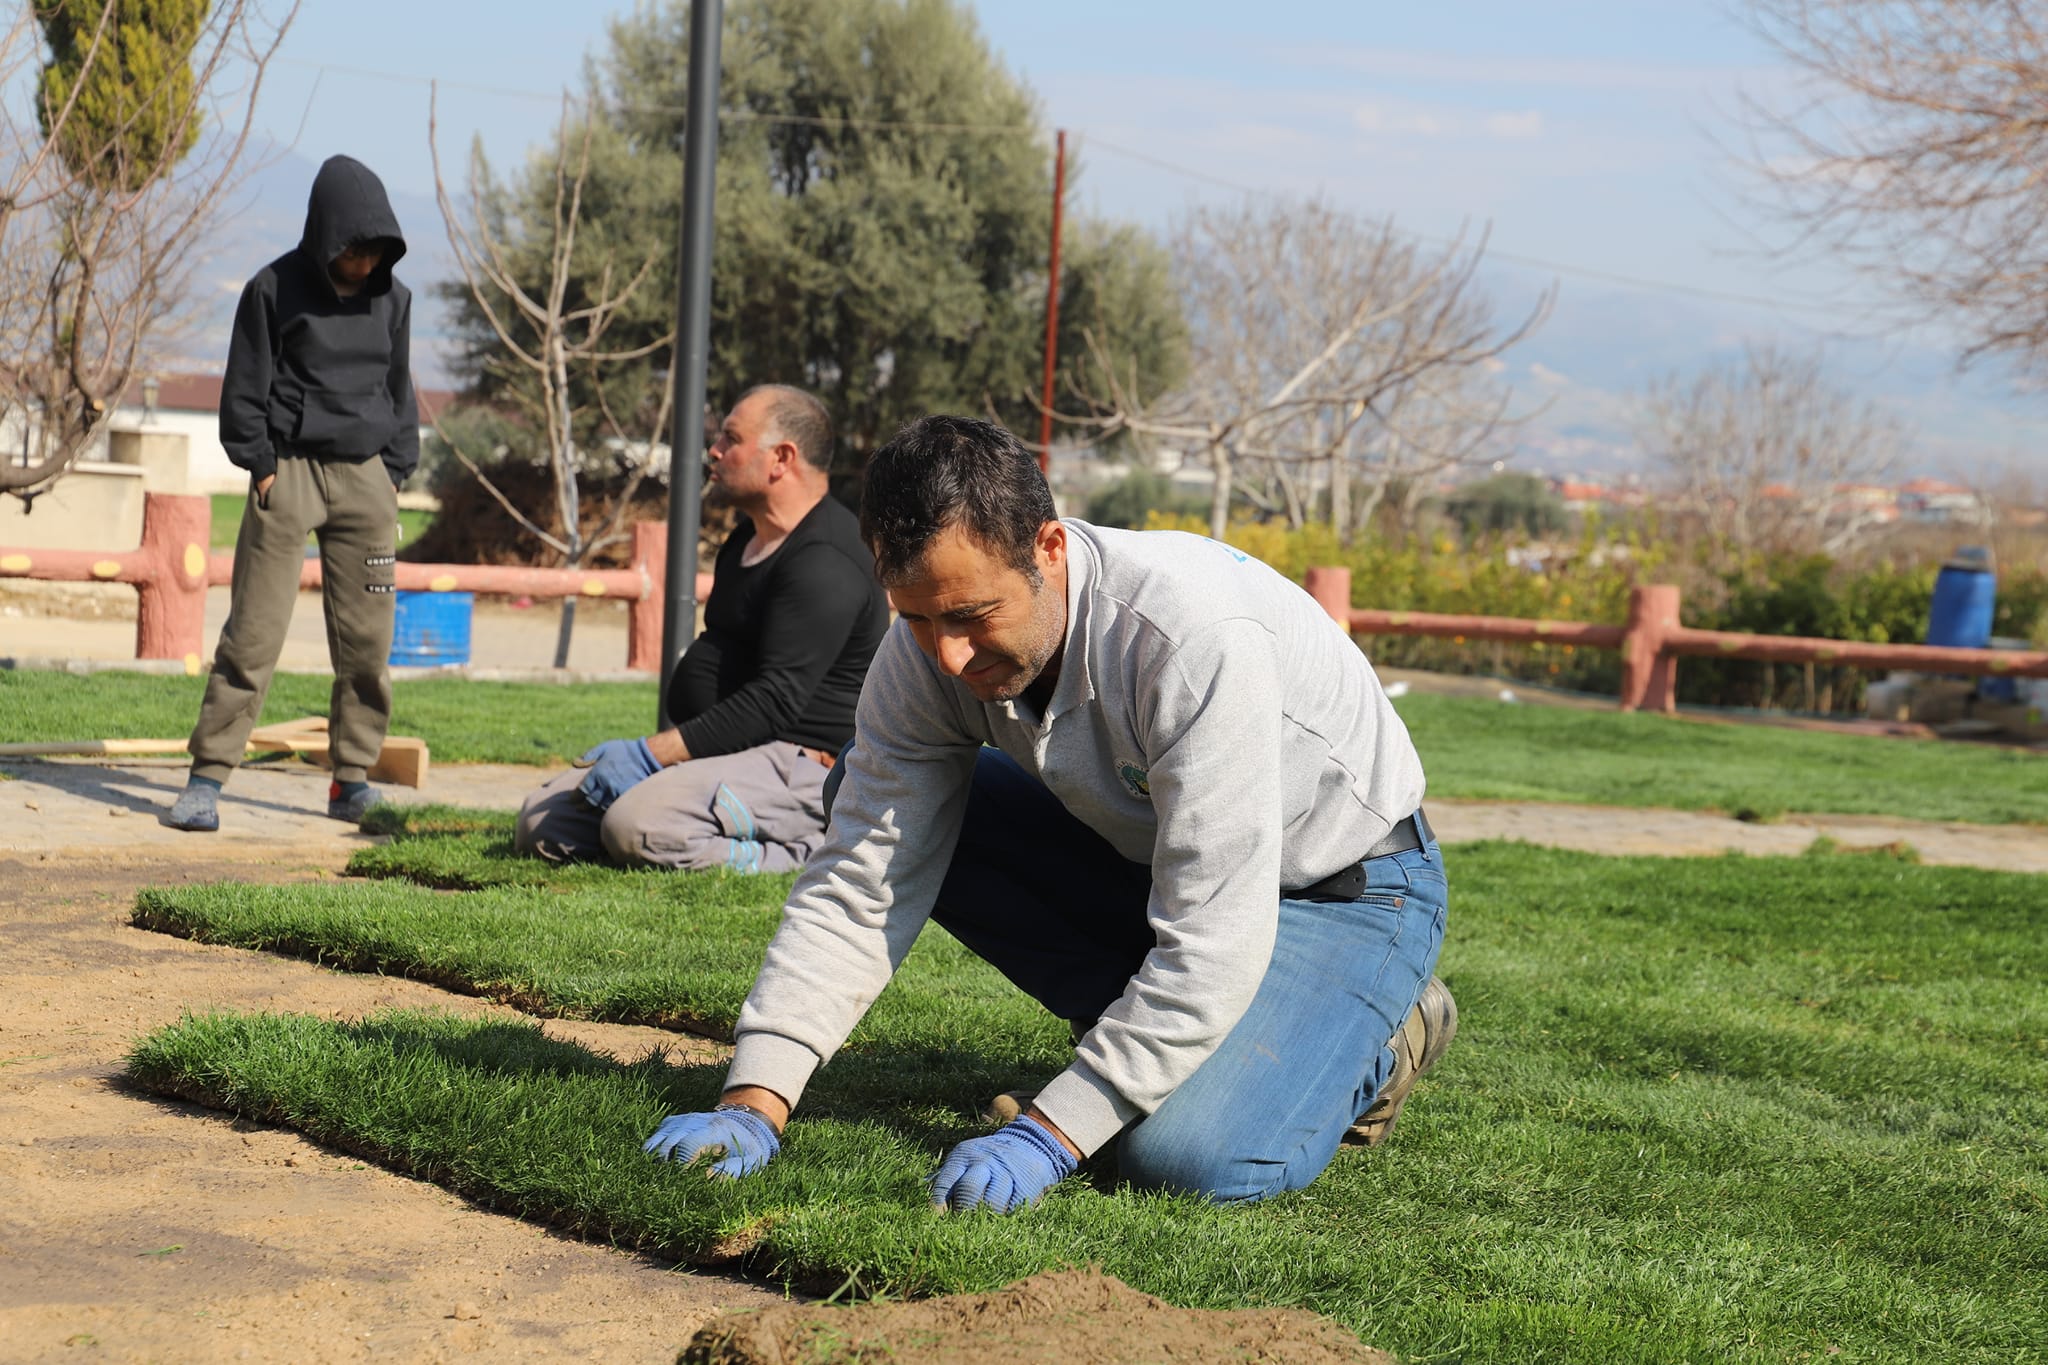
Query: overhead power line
[[1787, 303]]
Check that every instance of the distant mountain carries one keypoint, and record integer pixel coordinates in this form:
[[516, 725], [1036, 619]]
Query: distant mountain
[[1603, 347]]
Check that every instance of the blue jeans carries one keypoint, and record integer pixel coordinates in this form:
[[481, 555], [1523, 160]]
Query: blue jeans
[[1054, 908]]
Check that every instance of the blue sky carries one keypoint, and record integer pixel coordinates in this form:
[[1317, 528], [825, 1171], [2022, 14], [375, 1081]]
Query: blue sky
[[1596, 140]]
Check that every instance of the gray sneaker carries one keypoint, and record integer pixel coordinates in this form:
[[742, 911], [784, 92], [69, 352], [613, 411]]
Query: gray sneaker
[[350, 808], [197, 809], [1418, 1043]]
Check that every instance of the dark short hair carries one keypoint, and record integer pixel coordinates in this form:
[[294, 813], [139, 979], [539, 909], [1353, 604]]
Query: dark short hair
[[798, 417], [940, 472]]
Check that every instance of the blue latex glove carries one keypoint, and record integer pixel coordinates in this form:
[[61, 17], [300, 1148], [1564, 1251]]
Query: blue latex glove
[[614, 766], [742, 1140], [1006, 1170]]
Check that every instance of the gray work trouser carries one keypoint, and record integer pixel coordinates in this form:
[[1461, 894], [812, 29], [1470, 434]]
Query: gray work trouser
[[352, 509], [759, 810]]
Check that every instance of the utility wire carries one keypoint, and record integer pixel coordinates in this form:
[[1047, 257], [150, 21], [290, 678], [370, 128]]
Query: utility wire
[[1793, 303]]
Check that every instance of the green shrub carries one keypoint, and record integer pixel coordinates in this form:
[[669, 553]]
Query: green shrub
[[1589, 578]]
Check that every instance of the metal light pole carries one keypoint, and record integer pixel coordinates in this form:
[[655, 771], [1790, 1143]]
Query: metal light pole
[[693, 342]]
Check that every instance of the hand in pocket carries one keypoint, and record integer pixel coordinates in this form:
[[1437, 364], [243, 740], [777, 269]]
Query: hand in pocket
[[263, 490]]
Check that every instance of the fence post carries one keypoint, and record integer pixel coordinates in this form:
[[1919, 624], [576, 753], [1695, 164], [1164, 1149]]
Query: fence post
[[643, 616], [170, 583], [1332, 590], [1649, 676]]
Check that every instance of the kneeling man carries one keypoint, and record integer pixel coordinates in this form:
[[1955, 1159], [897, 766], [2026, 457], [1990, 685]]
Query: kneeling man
[[764, 698], [1157, 787]]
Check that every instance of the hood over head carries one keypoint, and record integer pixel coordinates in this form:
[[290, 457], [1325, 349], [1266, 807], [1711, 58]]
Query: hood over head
[[348, 206]]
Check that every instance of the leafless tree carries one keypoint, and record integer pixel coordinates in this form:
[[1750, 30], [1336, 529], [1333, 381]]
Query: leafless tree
[[1766, 452], [1324, 351], [96, 250], [1914, 153], [546, 342]]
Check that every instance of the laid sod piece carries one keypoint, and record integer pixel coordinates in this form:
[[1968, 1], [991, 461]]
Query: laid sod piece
[[1714, 1109], [462, 721], [458, 849], [1488, 750], [592, 942]]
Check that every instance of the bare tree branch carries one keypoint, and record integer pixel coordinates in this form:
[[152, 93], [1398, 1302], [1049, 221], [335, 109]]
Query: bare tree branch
[[546, 341], [95, 247], [1309, 328], [1762, 449], [1915, 155]]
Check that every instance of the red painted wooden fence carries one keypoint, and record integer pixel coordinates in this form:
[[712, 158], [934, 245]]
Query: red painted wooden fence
[[172, 569], [1652, 641]]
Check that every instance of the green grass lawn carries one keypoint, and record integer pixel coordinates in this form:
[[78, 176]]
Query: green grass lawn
[[1471, 747], [463, 721], [227, 520], [1711, 1109]]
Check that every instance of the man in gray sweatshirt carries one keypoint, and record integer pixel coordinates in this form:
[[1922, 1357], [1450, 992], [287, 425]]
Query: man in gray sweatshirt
[[1157, 787]]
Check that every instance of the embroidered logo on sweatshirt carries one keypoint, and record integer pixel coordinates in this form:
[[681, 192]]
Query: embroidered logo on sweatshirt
[[1135, 779]]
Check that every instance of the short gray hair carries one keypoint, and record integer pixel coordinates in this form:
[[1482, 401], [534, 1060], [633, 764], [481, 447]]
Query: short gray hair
[[799, 418]]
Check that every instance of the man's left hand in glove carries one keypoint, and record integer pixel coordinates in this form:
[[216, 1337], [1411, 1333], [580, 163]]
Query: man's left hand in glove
[[615, 765], [1008, 1170]]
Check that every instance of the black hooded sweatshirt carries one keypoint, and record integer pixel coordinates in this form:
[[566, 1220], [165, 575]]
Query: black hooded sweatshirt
[[314, 375]]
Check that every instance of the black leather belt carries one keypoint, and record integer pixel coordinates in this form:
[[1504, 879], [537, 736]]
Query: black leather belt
[[1347, 883]]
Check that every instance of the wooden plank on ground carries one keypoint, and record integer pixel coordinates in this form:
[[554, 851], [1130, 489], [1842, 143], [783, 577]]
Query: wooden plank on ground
[[403, 759]]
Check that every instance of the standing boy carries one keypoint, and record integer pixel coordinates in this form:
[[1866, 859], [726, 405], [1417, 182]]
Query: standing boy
[[317, 404]]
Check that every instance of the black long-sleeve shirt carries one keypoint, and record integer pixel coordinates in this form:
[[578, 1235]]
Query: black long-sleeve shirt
[[786, 642], [315, 375]]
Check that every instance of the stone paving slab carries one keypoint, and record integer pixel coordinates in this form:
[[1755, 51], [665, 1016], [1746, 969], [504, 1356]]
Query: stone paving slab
[[59, 807], [55, 808]]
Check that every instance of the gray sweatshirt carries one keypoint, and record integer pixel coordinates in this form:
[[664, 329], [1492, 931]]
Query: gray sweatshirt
[[1210, 720]]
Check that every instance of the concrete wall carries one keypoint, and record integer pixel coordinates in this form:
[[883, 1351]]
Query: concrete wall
[[207, 467], [162, 456], [94, 507]]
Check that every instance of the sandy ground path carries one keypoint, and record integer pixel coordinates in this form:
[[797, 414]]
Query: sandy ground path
[[137, 1229], [61, 810]]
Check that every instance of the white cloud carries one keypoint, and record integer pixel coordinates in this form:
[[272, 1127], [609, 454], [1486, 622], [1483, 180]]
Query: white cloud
[[1527, 124], [1543, 374], [1570, 73]]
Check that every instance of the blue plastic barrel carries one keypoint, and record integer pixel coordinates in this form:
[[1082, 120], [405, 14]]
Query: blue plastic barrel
[[432, 629], [1965, 592]]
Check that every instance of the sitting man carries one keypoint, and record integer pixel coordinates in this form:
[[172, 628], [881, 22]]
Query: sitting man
[[764, 699], [1196, 835]]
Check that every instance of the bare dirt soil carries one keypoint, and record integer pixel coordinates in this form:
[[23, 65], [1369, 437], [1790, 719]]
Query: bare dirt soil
[[1064, 1315], [135, 1228]]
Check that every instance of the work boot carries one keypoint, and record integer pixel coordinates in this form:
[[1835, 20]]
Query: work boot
[[350, 805], [1417, 1044]]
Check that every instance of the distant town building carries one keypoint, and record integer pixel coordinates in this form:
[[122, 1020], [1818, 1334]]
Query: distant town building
[[1936, 501], [189, 405]]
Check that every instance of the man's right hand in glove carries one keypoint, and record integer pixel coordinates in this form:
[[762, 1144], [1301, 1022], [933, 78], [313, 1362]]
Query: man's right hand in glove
[[740, 1138]]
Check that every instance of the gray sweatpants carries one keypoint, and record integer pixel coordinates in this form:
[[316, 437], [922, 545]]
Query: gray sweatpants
[[759, 810], [353, 510]]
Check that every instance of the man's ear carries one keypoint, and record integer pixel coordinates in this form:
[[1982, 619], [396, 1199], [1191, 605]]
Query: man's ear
[[787, 457], [1050, 545]]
